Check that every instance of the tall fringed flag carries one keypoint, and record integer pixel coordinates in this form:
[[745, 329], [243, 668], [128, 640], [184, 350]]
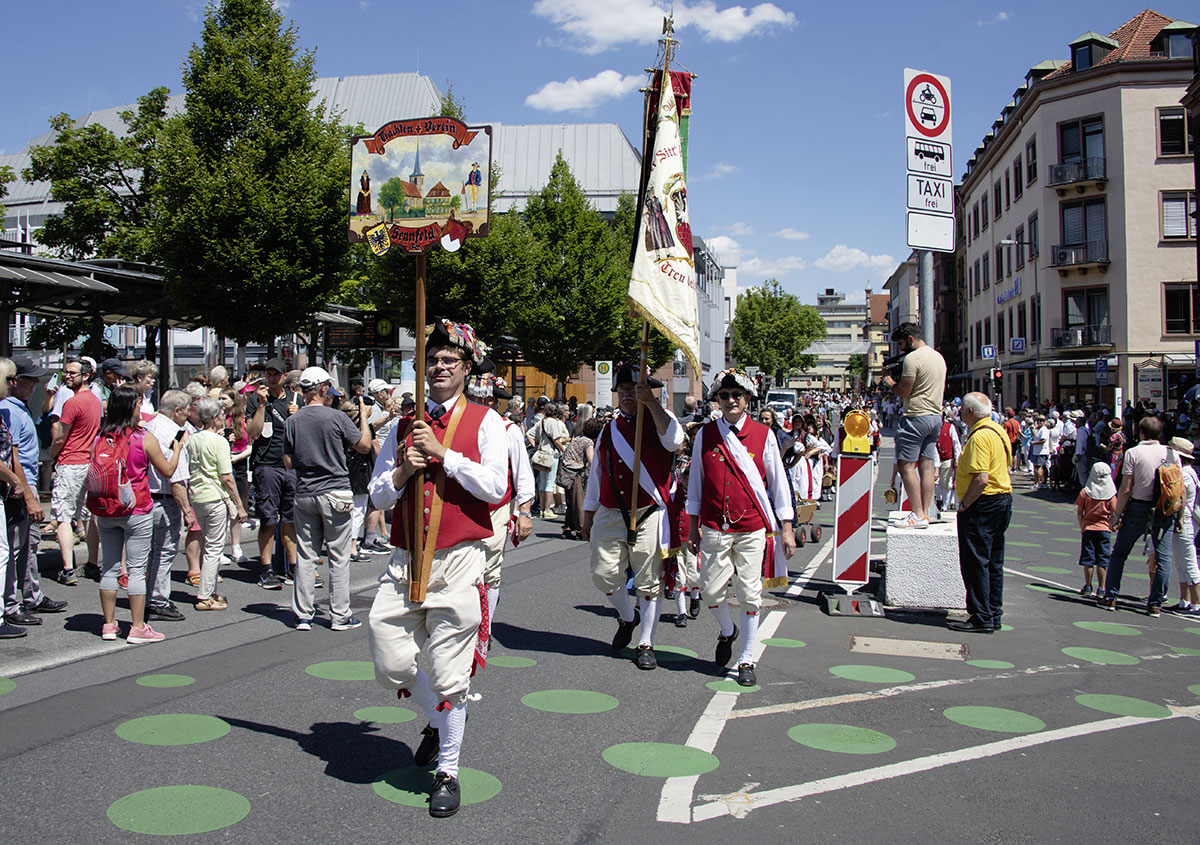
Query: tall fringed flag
[[662, 287]]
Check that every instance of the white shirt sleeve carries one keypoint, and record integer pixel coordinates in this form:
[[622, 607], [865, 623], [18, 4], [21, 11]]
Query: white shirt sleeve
[[383, 492], [956, 444], [695, 491], [777, 484], [672, 439], [591, 496], [518, 459]]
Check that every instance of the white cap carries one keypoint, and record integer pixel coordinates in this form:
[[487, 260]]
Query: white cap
[[378, 384], [314, 376]]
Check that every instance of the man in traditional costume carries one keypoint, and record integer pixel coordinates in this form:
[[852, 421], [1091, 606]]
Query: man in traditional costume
[[741, 512], [607, 516], [463, 450]]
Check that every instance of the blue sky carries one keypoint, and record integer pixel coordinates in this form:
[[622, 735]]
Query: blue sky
[[796, 161]]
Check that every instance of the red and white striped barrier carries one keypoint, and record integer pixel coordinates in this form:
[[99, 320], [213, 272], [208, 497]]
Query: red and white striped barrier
[[852, 529]]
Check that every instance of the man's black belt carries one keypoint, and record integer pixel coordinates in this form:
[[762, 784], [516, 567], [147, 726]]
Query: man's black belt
[[162, 497]]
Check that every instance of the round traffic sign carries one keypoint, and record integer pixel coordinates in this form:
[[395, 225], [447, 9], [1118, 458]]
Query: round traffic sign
[[928, 105]]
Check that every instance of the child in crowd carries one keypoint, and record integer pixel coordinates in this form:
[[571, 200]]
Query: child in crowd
[[1094, 508]]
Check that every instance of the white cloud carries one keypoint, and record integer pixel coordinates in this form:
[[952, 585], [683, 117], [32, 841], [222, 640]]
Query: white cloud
[[719, 171], [595, 27], [772, 268], [728, 251], [999, 17], [843, 258], [791, 234], [741, 229], [582, 94]]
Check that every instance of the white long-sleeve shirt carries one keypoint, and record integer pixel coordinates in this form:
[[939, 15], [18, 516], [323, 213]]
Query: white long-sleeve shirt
[[486, 480], [518, 460], [671, 440], [776, 476]]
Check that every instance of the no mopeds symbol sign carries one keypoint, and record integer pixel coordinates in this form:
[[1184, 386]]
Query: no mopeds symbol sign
[[927, 104]]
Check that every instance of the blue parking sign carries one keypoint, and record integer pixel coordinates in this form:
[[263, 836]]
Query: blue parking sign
[[1101, 372]]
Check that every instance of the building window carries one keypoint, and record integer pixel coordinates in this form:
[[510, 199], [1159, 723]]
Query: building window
[[1176, 132], [987, 332], [1181, 308], [987, 276], [975, 219], [1021, 323], [1035, 308], [996, 199], [1000, 333], [1080, 140], [1019, 237], [1033, 236], [978, 278], [1085, 307], [983, 206], [999, 263], [1007, 191], [1178, 215], [1083, 221], [1010, 322], [1018, 178], [1031, 161]]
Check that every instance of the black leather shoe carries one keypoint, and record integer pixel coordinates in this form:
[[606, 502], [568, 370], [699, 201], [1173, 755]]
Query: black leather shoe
[[20, 617], [427, 751], [443, 798], [725, 647], [680, 620], [163, 613], [694, 608], [645, 657], [46, 605], [11, 632], [624, 635], [745, 676], [969, 627]]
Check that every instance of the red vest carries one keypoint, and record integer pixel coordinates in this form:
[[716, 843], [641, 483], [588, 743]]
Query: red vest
[[463, 517], [512, 473], [657, 461], [728, 503]]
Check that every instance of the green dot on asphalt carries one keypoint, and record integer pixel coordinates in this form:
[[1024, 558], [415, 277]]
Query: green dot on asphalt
[[783, 642], [385, 715], [1192, 630], [1017, 525], [996, 719], [574, 701], [659, 759], [1052, 522], [173, 729], [990, 664], [7, 685], [729, 685], [673, 654], [1044, 588], [1109, 628], [1023, 544], [841, 739], [165, 681], [1194, 689], [343, 670], [410, 786], [178, 810], [1031, 531], [1004, 627], [1190, 652], [1101, 656], [871, 674], [1137, 576], [1050, 570], [1123, 705], [1034, 513], [1062, 554], [510, 661], [1066, 539]]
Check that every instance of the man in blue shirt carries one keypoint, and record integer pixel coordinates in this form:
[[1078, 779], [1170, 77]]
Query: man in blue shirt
[[24, 531]]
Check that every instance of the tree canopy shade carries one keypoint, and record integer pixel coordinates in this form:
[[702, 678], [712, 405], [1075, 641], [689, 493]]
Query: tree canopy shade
[[253, 180], [106, 183], [772, 329]]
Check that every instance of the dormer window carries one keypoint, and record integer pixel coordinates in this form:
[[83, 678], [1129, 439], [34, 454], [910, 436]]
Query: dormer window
[[1089, 49], [1174, 41]]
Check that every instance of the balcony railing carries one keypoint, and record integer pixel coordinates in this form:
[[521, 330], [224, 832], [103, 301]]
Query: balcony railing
[[1071, 255], [1081, 336], [1086, 170]]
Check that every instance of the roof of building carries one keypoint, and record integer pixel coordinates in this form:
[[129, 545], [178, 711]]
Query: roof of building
[[879, 308], [1131, 41], [438, 190]]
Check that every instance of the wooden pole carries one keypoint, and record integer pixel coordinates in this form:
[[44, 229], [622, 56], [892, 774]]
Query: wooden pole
[[637, 438], [418, 575]]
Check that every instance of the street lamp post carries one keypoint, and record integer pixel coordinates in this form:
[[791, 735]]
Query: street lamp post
[[1037, 298]]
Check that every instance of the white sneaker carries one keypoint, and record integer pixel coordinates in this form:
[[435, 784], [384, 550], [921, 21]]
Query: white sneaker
[[304, 625], [239, 557], [913, 522], [225, 561]]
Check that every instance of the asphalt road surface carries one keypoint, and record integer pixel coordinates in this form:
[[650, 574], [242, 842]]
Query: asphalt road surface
[[1073, 725]]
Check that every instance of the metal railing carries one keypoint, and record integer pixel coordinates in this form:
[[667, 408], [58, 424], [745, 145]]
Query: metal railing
[[1077, 171], [1090, 252], [1081, 336]]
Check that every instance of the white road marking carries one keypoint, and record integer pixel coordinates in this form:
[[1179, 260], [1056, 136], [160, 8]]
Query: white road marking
[[740, 804]]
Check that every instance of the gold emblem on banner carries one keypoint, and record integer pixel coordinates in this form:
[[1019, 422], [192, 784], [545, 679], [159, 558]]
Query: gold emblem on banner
[[378, 238]]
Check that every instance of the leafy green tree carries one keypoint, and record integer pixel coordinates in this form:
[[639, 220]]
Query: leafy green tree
[[105, 182], [252, 199], [56, 332], [452, 106], [391, 196], [772, 329]]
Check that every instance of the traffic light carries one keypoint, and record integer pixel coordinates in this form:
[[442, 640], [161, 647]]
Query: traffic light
[[997, 377]]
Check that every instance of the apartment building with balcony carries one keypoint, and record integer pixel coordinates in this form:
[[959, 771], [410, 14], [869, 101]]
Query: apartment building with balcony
[[843, 338], [1079, 215]]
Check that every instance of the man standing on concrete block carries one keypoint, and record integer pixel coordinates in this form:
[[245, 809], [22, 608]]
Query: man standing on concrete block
[[921, 386], [985, 507]]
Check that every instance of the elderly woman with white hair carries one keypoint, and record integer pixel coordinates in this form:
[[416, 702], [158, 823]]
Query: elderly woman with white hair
[[213, 493]]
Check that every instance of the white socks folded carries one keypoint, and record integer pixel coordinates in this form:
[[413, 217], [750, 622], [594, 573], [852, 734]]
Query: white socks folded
[[749, 637], [451, 724], [649, 609]]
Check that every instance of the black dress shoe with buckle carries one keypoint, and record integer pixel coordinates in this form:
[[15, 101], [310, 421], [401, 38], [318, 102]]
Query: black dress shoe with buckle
[[681, 620], [624, 635], [725, 647], [694, 608], [745, 676], [427, 751], [969, 627], [645, 657], [20, 617], [444, 797]]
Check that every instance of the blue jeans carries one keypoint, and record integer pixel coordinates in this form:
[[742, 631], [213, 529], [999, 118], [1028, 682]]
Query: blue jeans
[[1094, 549], [1140, 517]]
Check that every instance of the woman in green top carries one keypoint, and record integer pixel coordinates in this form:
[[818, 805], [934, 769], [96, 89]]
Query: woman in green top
[[212, 490]]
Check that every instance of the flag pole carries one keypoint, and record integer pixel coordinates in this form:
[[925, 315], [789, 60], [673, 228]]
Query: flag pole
[[637, 436], [418, 573]]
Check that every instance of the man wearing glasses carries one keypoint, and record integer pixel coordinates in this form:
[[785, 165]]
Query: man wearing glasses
[[738, 498], [267, 412], [463, 450], [71, 452], [607, 504]]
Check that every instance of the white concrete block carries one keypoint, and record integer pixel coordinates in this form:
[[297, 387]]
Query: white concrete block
[[922, 567]]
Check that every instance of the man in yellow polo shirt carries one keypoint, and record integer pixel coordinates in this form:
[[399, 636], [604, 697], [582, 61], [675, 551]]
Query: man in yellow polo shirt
[[985, 507]]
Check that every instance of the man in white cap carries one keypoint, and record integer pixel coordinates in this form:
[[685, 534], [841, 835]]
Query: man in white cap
[[315, 441], [738, 496], [462, 449], [514, 511], [607, 511]]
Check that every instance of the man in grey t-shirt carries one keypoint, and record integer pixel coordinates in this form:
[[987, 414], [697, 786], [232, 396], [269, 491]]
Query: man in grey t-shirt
[[921, 386], [314, 445]]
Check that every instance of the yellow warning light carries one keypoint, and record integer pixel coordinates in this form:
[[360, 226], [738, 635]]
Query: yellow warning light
[[857, 428]]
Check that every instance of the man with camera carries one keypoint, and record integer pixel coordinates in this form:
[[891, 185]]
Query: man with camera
[[921, 385]]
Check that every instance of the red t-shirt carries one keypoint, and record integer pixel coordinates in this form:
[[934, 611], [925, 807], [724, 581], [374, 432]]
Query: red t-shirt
[[1096, 512], [82, 412]]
